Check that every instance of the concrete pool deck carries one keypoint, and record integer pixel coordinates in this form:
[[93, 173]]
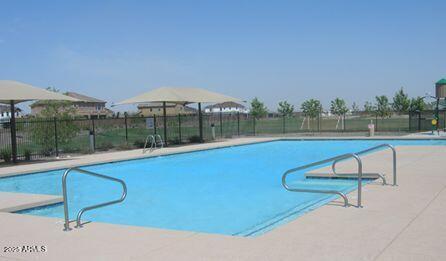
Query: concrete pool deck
[[405, 222]]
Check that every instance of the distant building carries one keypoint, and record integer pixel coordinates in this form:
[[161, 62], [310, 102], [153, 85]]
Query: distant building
[[226, 107], [88, 107], [440, 88], [155, 108], [5, 112]]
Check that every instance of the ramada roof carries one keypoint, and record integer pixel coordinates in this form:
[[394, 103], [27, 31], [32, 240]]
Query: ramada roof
[[81, 97], [156, 105], [225, 105]]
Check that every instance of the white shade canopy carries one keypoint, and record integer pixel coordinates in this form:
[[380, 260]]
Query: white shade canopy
[[20, 92], [179, 95]]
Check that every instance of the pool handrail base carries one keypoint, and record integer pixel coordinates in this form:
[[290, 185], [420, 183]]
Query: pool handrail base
[[85, 209]]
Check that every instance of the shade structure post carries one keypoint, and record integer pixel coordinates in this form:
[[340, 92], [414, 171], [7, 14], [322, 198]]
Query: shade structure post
[[221, 123], [165, 123], [200, 122], [12, 126]]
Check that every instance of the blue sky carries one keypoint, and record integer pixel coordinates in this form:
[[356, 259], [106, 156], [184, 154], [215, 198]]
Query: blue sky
[[275, 50]]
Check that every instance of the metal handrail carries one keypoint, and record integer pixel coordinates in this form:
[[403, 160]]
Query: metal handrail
[[333, 166], [152, 143], [161, 140], [83, 210], [341, 157]]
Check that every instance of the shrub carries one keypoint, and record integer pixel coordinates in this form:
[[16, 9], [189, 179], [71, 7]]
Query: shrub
[[27, 154], [124, 146], [139, 144], [175, 141], [6, 155], [107, 145], [194, 139]]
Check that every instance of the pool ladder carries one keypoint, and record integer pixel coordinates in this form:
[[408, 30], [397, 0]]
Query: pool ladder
[[334, 161], [85, 209], [153, 142]]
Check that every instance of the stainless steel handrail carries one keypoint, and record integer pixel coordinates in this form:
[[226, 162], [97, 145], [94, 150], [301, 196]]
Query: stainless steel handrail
[[152, 143], [83, 210], [161, 140], [333, 166], [314, 164]]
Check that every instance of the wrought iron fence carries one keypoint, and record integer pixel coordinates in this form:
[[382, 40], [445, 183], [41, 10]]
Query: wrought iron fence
[[38, 138]]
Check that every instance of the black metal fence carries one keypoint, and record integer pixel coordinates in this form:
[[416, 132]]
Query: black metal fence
[[38, 138]]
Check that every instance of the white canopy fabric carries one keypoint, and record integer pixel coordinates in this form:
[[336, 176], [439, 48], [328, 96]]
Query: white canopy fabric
[[21, 92], [179, 95]]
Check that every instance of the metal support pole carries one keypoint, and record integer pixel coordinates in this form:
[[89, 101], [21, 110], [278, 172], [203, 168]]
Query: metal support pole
[[200, 122], [165, 123], [94, 134], [437, 116], [254, 125], [126, 129], [376, 122], [283, 124], [154, 124], [12, 126], [179, 126], [238, 123], [56, 140], [444, 120], [221, 123], [419, 121]]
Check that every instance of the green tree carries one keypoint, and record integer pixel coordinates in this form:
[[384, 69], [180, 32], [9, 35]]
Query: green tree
[[43, 130], [258, 109], [355, 107], [311, 108], [417, 104], [368, 107], [383, 108], [338, 107], [285, 109], [401, 101]]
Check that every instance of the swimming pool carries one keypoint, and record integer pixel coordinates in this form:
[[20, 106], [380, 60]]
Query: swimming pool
[[232, 191]]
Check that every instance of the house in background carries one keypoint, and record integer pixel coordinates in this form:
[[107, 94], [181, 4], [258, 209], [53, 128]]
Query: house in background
[[5, 112], [226, 107], [87, 107], [155, 108]]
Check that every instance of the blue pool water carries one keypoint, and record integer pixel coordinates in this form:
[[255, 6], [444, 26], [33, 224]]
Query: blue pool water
[[232, 191]]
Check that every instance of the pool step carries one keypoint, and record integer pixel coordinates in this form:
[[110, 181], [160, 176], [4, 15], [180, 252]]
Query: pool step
[[341, 175], [13, 202]]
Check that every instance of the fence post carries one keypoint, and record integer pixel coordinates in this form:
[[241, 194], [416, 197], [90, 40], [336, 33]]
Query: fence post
[[254, 125], [221, 123], [126, 129], [154, 124], [283, 124], [419, 121], [238, 123], [94, 133], [410, 121], [179, 127], [444, 120], [343, 123], [56, 140], [319, 122], [376, 122]]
